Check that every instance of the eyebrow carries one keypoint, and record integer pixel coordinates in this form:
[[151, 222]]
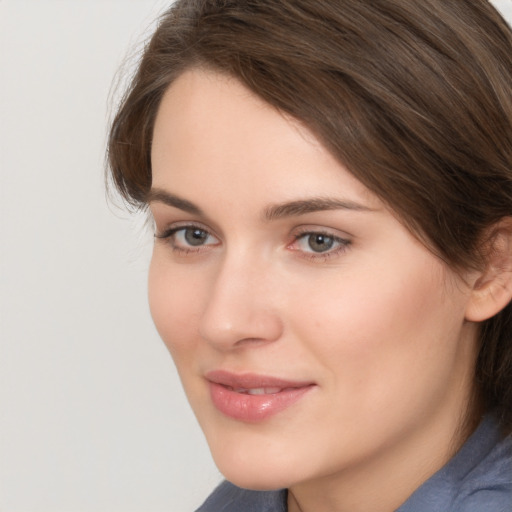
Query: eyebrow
[[272, 212], [157, 195], [315, 204]]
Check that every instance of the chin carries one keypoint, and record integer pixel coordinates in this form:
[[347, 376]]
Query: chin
[[257, 479], [255, 464]]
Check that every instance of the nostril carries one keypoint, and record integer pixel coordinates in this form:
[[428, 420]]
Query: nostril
[[253, 342]]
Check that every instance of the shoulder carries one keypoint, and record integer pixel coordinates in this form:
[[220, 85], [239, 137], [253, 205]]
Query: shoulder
[[230, 498], [489, 485], [477, 479]]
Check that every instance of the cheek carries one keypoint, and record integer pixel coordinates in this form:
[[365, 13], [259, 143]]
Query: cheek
[[384, 330], [173, 301]]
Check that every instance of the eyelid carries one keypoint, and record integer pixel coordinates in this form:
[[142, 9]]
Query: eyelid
[[176, 226], [313, 229]]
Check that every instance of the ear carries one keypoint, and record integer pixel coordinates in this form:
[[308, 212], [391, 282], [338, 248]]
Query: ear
[[492, 287]]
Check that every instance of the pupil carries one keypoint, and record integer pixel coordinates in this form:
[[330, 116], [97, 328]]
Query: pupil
[[195, 236], [320, 243]]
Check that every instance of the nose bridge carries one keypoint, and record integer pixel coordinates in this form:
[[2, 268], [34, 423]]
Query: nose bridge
[[241, 304]]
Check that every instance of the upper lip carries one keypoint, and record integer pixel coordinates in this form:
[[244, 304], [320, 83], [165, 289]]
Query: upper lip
[[252, 380]]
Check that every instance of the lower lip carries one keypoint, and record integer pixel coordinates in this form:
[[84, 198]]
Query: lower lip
[[253, 408]]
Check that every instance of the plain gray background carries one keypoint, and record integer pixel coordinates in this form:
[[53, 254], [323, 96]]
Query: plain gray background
[[92, 416]]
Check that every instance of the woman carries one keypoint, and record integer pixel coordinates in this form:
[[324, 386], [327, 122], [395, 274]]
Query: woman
[[331, 188]]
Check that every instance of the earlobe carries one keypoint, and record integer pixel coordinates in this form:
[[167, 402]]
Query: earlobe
[[492, 289]]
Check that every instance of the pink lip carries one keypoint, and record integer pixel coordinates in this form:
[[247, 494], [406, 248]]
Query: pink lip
[[229, 394]]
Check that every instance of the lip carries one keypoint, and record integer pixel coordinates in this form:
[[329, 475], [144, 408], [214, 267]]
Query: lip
[[230, 394]]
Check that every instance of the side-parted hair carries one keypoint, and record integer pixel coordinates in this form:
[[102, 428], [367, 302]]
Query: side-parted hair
[[414, 98]]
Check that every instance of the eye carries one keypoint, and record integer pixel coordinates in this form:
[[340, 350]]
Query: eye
[[319, 244], [188, 238], [191, 236]]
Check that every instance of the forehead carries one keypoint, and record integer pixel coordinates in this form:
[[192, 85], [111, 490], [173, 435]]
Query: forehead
[[222, 117], [211, 132]]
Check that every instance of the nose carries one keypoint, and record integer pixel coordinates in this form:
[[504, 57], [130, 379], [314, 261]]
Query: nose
[[241, 308]]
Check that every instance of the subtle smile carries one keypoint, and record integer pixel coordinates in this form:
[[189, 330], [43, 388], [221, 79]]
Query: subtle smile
[[251, 397]]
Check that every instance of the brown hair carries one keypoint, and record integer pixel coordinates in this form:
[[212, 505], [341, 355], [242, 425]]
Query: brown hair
[[414, 98]]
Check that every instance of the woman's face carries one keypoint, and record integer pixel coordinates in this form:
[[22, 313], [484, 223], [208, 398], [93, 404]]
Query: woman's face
[[314, 335]]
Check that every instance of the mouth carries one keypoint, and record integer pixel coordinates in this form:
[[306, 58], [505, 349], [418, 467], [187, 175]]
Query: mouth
[[257, 391], [253, 398]]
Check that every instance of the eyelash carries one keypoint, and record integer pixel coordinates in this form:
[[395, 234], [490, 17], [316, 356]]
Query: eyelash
[[343, 243], [169, 237]]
